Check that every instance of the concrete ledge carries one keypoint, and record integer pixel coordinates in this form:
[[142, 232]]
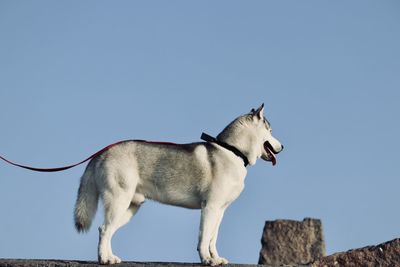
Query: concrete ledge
[[72, 263]]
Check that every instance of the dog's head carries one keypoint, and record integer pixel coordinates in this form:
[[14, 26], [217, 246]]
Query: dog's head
[[270, 145], [252, 135]]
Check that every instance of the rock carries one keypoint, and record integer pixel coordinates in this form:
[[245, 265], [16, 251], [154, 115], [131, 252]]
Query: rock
[[287, 242], [385, 254]]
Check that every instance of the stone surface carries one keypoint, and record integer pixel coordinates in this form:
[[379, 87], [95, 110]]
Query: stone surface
[[71, 263], [385, 254], [286, 242]]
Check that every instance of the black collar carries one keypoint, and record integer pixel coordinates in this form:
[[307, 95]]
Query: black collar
[[237, 152]]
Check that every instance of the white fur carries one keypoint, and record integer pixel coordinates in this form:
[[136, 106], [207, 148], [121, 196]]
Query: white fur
[[202, 176]]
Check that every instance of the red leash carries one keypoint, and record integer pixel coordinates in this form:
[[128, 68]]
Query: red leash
[[83, 161]]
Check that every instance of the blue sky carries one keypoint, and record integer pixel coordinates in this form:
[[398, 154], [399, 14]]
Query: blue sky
[[78, 75]]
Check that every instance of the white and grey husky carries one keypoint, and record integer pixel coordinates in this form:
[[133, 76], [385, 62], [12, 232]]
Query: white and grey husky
[[204, 175]]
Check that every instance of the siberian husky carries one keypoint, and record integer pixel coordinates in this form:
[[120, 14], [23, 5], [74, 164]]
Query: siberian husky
[[205, 175]]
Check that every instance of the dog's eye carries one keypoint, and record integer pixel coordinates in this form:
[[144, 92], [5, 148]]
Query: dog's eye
[[267, 123]]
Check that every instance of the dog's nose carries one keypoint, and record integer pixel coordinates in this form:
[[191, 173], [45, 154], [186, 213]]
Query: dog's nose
[[282, 147]]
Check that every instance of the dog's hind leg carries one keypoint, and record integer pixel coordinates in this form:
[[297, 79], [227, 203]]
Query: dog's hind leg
[[119, 207], [137, 201], [114, 210]]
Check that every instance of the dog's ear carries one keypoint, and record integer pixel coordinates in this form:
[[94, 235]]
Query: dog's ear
[[259, 113]]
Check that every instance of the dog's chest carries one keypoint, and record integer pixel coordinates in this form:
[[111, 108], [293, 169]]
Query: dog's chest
[[230, 185]]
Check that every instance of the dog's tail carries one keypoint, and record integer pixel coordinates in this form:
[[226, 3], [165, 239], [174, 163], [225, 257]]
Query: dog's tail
[[86, 202]]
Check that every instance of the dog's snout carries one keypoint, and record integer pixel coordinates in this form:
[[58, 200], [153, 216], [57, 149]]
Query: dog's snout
[[276, 150], [280, 150]]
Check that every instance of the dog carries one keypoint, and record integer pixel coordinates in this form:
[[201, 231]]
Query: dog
[[204, 175]]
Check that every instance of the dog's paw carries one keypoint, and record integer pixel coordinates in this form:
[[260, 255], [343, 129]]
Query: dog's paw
[[210, 262], [222, 261], [109, 260], [215, 261]]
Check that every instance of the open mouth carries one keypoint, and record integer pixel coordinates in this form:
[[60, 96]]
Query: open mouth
[[271, 154]]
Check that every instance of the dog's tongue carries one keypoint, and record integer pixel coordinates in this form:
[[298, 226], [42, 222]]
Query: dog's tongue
[[273, 160]]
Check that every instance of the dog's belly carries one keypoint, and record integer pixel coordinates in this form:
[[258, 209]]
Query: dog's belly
[[188, 199], [182, 201]]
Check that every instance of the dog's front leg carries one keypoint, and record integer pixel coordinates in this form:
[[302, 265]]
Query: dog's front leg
[[211, 216], [213, 243]]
